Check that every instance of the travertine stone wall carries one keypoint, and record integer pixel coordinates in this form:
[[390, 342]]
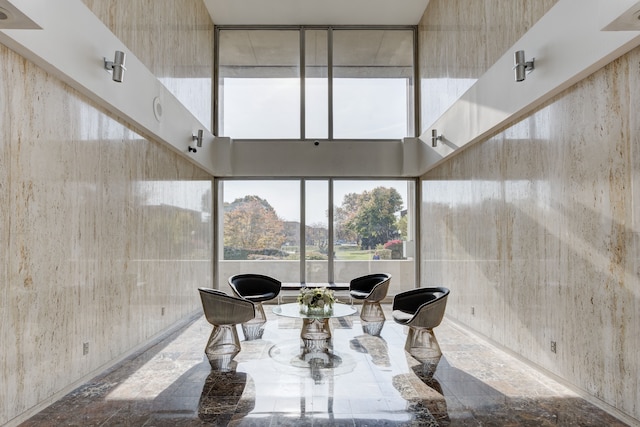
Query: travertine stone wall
[[101, 236], [173, 39], [536, 230], [461, 39]]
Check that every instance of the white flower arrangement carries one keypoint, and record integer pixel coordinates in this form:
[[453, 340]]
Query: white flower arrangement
[[316, 299]]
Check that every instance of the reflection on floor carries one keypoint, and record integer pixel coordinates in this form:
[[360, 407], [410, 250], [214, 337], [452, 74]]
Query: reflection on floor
[[375, 384]]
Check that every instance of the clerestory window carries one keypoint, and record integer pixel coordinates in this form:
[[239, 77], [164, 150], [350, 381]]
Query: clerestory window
[[315, 83]]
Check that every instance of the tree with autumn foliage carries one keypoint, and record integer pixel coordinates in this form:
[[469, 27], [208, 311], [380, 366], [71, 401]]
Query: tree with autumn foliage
[[371, 215], [342, 215], [252, 223]]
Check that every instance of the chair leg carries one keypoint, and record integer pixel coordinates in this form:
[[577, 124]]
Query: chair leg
[[372, 317], [254, 328], [372, 312], [222, 347], [422, 345]]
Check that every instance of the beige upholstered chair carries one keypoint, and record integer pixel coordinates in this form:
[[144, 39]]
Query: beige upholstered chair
[[421, 310], [224, 312], [371, 289], [256, 288]]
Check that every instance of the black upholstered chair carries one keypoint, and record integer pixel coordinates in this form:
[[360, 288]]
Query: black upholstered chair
[[421, 310], [224, 312], [371, 289], [256, 288]]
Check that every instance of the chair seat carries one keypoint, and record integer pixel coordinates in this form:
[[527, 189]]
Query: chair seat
[[222, 309], [401, 317], [371, 288], [420, 307], [358, 294], [255, 287], [260, 297]]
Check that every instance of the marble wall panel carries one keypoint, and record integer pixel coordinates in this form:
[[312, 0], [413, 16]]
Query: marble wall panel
[[628, 388], [5, 131], [559, 187], [461, 39], [449, 233], [102, 238], [173, 39]]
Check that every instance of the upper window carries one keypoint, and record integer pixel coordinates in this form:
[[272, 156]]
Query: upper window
[[320, 83]]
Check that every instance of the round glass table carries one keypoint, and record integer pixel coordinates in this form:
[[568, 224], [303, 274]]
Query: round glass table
[[316, 348]]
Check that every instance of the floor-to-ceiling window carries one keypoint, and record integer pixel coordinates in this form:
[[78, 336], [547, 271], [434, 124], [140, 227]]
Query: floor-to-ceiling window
[[317, 230], [325, 83]]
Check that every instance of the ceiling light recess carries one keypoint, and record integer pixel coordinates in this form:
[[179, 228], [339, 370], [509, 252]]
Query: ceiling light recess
[[11, 18]]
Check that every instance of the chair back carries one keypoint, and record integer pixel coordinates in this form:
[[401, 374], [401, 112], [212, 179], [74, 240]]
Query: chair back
[[427, 305], [255, 287], [222, 309], [377, 285]]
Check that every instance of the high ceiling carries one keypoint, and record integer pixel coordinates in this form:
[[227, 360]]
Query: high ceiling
[[316, 12]]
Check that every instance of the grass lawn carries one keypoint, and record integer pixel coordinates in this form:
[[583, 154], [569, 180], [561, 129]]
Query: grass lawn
[[354, 254]]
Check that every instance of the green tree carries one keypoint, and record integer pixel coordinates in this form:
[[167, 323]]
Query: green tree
[[371, 215], [252, 223], [402, 225]]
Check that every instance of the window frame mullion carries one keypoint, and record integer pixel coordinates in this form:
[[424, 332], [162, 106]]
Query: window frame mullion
[[303, 235], [303, 85], [330, 83]]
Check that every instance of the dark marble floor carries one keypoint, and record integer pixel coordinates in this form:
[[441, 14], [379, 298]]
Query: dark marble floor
[[375, 384]]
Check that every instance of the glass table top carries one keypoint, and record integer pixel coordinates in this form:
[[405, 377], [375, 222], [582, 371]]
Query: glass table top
[[293, 310]]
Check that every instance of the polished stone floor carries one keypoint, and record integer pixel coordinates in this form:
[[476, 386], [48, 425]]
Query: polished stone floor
[[373, 383]]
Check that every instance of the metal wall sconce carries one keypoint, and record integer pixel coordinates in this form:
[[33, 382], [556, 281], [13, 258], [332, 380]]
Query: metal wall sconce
[[435, 138], [521, 66], [198, 138], [117, 66]]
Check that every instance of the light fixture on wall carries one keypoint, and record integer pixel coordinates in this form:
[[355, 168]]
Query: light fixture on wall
[[117, 66], [435, 137], [198, 137], [521, 66]]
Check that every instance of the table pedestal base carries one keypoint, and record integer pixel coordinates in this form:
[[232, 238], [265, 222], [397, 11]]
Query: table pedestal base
[[315, 329], [314, 350]]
